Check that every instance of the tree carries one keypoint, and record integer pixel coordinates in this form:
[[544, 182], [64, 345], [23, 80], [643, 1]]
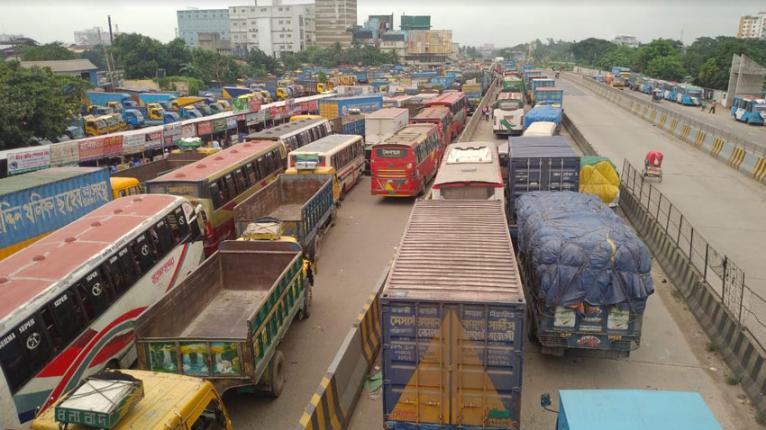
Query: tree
[[95, 56], [709, 75], [656, 48], [666, 67], [139, 56], [618, 56], [588, 51], [37, 103], [262, 62], [47, 52], [176, 55]]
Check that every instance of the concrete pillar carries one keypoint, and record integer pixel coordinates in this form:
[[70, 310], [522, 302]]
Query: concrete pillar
[[745, 78]]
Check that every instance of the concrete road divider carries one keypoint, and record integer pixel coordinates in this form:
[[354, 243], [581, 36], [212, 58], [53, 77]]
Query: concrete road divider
[[333, 402], [476, 118], [737, 153]]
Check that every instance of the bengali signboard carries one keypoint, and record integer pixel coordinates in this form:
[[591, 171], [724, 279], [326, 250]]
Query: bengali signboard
[[91, 149], [240, 106], [255, 104], [276, 112], [231, 122], [28, 159], [112, 146], [172, 129], [153, 140], [204, 128], [133, 143], [219, 125], [188, 130], [65, 153]]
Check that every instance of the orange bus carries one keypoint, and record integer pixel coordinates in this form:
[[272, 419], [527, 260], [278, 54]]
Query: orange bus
[[403, 164], [220, 181], [439, 115], [458, 106]]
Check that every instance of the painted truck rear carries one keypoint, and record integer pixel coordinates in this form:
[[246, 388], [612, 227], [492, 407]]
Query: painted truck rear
[[453, 315], [36, 203], [226, 320]]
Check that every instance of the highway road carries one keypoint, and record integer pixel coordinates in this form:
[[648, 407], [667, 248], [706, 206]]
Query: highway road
[[672, 356]]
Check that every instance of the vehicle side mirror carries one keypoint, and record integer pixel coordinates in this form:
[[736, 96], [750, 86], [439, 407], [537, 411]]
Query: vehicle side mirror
[[545, 400]]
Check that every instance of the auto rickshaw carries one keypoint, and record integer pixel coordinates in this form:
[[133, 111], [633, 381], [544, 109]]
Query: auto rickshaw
[[657, 95], [653, 165]]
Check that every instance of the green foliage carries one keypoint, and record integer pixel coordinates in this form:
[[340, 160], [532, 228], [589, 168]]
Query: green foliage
[[655, 49], [95, 56], [618, 56], [322, 77], [261, 64], [49, 51], [36, 103], [169, 83], [334, 56], [552, 51], [721, 49], [668, 68], [589, 51], [139, 56], [710, 75]]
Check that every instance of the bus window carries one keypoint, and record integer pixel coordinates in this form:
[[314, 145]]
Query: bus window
[[143, 253], [177, 223], [231, 187], [121, 270], [94, 294], [216, 195], [64, 320], [250, 173], [163, 238], [240, 180], [23, 352]]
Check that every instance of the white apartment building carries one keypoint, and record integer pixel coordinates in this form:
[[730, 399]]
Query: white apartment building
[[630, 41], [272, 29], [752, 26]]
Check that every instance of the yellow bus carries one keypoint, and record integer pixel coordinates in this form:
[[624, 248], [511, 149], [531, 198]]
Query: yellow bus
[[122, 187], [302, 117], [220, 181], [170, 401], [341, 155]]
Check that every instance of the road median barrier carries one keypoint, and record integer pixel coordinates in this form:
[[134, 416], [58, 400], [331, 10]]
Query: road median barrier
[[333, 402], [470, 127], [738, 153]]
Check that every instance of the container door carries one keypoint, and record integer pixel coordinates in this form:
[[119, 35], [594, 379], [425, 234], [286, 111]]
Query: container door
[[486, 366]]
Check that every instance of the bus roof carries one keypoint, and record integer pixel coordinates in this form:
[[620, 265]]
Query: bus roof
[[472, 169], [42, 177], [386, 113], [433, 112], [275, 133], [166, 395], [29, 272], [327, 143], [410, 135], [446, 98], [215, 163]]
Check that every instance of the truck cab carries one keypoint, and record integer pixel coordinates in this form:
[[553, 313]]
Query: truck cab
[[508, 115], [138, 400], [133, 118], [95, 126]]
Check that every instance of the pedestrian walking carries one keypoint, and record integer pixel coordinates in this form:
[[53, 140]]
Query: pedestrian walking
[[703, 105], [712, 106]]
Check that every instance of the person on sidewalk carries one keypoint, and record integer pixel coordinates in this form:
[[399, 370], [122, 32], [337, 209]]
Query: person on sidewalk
[[712, 106]]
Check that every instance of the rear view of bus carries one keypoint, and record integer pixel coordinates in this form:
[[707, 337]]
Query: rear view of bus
[[469, 171], [404, 163], [68, 302]]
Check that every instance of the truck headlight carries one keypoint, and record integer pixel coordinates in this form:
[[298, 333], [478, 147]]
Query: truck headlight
[[564, 318]]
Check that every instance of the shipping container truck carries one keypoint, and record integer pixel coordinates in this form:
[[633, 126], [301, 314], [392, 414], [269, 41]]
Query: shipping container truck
[[543, 113], [121, 100], [512, 84], [34, 204], [383, 123], [549, 96], [335, 107], [535, 83], [164, 99], [453, 316], [540, 164], [301, 207], [226, 320], [473, 93], [508, 116], [586, 273]]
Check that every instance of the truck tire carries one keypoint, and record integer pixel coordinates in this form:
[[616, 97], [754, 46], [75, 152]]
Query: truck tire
[[277, 376]]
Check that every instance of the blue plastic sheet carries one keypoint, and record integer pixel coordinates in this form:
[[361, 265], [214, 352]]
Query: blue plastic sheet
[[580, 251], [543, 113]]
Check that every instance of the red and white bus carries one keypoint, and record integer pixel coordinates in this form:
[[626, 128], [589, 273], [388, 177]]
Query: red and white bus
[[404, 163], [441, 117], [469, 171], [222, 180], [458, 106], [68, 302]]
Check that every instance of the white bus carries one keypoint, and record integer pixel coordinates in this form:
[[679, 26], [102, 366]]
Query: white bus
[[338, 154], [469, 171], [295, 134], [68, 302]]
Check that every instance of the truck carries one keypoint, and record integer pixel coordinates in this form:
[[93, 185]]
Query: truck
[[133, 118], [334, 107], [631, 410], [535, 83], [587, 275], [383, 123], [300, 206], [164, 99], [549, 96], [452, 318], [155, 169], [122, 100], [37, 203], [512, 84], [473, 93], [224, 322], [137, 399], [508, 116], [543, 113]]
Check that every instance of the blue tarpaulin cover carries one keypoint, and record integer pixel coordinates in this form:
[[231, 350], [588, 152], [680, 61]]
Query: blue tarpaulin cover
[[581, 251], [543, 113]]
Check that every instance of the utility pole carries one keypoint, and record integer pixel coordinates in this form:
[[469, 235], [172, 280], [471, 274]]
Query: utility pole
[[111, 37]]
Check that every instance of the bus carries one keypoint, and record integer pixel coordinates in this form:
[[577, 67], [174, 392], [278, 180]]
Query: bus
[[404, 163], [294, 134], [458, 106], [749, 109], [469, 171], [124, 186], [219, 182], [442, 117], [340, 155], [69, 301]]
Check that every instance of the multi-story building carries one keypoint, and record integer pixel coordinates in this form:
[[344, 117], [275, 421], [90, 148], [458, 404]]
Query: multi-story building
[[630, 41], [416, 22], [379, 24], [213, 42], [752, 26], [192, 22], [335, 20], [429, 46], [94, 36], [273, 29], [394, 42]]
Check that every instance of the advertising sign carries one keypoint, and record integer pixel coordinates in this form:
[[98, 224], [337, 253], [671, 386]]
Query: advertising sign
[[28, 160], [204, 128], [133, 143]]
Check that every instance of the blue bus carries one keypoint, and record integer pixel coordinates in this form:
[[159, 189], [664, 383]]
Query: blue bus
[[749, 109], [688, 95]]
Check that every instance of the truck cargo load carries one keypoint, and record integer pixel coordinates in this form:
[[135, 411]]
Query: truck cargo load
[[226, 320], [453, 316], [36, 203], [383, 123], [586, 272], [543, 113], [335, 107]]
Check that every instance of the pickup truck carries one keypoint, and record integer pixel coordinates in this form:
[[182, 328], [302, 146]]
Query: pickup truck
[[226, 320], [300, 206]]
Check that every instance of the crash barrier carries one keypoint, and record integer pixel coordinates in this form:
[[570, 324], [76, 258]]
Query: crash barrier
[[721, 145], [577, 136], [470, 127], [711, 283], [334, 400]]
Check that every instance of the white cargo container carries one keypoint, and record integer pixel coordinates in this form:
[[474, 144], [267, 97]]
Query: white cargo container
[[383, 123]]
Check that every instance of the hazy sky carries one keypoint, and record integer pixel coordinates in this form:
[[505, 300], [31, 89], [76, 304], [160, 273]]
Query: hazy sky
[[502, 22]]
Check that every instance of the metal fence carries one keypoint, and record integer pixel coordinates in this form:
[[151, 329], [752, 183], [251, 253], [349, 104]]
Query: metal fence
[[726, 278]]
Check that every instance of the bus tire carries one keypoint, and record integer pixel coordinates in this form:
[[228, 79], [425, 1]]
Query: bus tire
[[277, 377]]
